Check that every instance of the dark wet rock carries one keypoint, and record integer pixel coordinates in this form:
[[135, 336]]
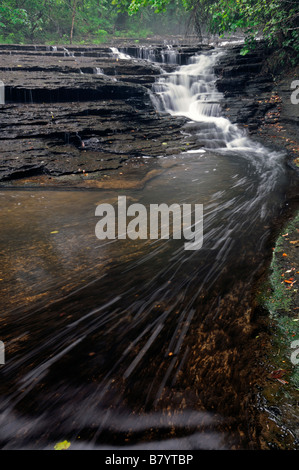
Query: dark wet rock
[[274, 410], [259, 100], [67, 138], [246, 85], [166, 55], [89, 108], [79, 109]]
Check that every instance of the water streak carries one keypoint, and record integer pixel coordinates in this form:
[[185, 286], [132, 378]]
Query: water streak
[[191, 91], [132, 342]]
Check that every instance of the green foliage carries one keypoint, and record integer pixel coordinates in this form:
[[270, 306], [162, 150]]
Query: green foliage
[[276, 21], [51, 20], [12, 21], [64, 445], [280, 301], [84, 21], [94, 20]]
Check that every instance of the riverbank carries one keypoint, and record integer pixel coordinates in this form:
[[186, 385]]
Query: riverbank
[[72, 115], [279, 397]]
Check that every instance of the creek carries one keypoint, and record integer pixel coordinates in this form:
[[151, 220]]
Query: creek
[[140, 344]]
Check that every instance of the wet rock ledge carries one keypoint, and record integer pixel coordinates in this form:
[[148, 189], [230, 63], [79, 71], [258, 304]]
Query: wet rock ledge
[[78, 112], [72, 114], [258, 98]]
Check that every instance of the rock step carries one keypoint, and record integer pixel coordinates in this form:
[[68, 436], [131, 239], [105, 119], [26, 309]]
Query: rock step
[[243, 81], [65, 92]]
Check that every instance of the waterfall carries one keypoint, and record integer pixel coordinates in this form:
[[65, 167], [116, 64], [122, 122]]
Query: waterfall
[[119, 55], [164, 55], [169, 56], [98, 71], [191, 91], [68, 53]]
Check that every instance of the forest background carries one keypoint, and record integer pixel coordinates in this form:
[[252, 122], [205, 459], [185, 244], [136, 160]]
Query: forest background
[[99, 21]]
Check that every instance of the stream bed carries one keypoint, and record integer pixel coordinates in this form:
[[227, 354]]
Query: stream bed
[[141, 344]]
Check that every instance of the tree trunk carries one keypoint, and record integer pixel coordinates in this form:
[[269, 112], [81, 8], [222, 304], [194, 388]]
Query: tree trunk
[[73, 21]]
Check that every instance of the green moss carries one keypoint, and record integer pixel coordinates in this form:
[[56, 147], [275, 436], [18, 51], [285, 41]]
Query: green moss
[[278, 297], [280, 300]]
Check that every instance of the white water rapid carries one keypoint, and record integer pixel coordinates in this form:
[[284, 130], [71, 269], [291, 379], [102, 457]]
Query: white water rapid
[[119, 55], [191, 91]]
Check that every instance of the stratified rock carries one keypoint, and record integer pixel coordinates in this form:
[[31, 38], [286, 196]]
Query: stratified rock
[[79, 109], [244, 83]]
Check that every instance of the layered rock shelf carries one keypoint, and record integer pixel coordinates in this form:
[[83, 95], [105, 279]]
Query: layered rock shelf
[[89, 109], [80, 109], [259, 99]]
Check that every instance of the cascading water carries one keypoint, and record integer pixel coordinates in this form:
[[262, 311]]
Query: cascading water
[[164, 55], [68, 53], [119, 55], [170, 55], [98, 71], [191, 91]]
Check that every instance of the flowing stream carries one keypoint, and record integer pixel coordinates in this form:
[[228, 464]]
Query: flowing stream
[[116, 344]]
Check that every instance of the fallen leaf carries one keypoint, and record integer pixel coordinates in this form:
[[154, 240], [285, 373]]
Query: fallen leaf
[[277, 374], [55, 231], [62, 445], [282, 381]]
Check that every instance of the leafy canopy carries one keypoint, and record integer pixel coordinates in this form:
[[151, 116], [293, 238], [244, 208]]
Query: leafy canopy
[[276, 21], [48, 20]]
